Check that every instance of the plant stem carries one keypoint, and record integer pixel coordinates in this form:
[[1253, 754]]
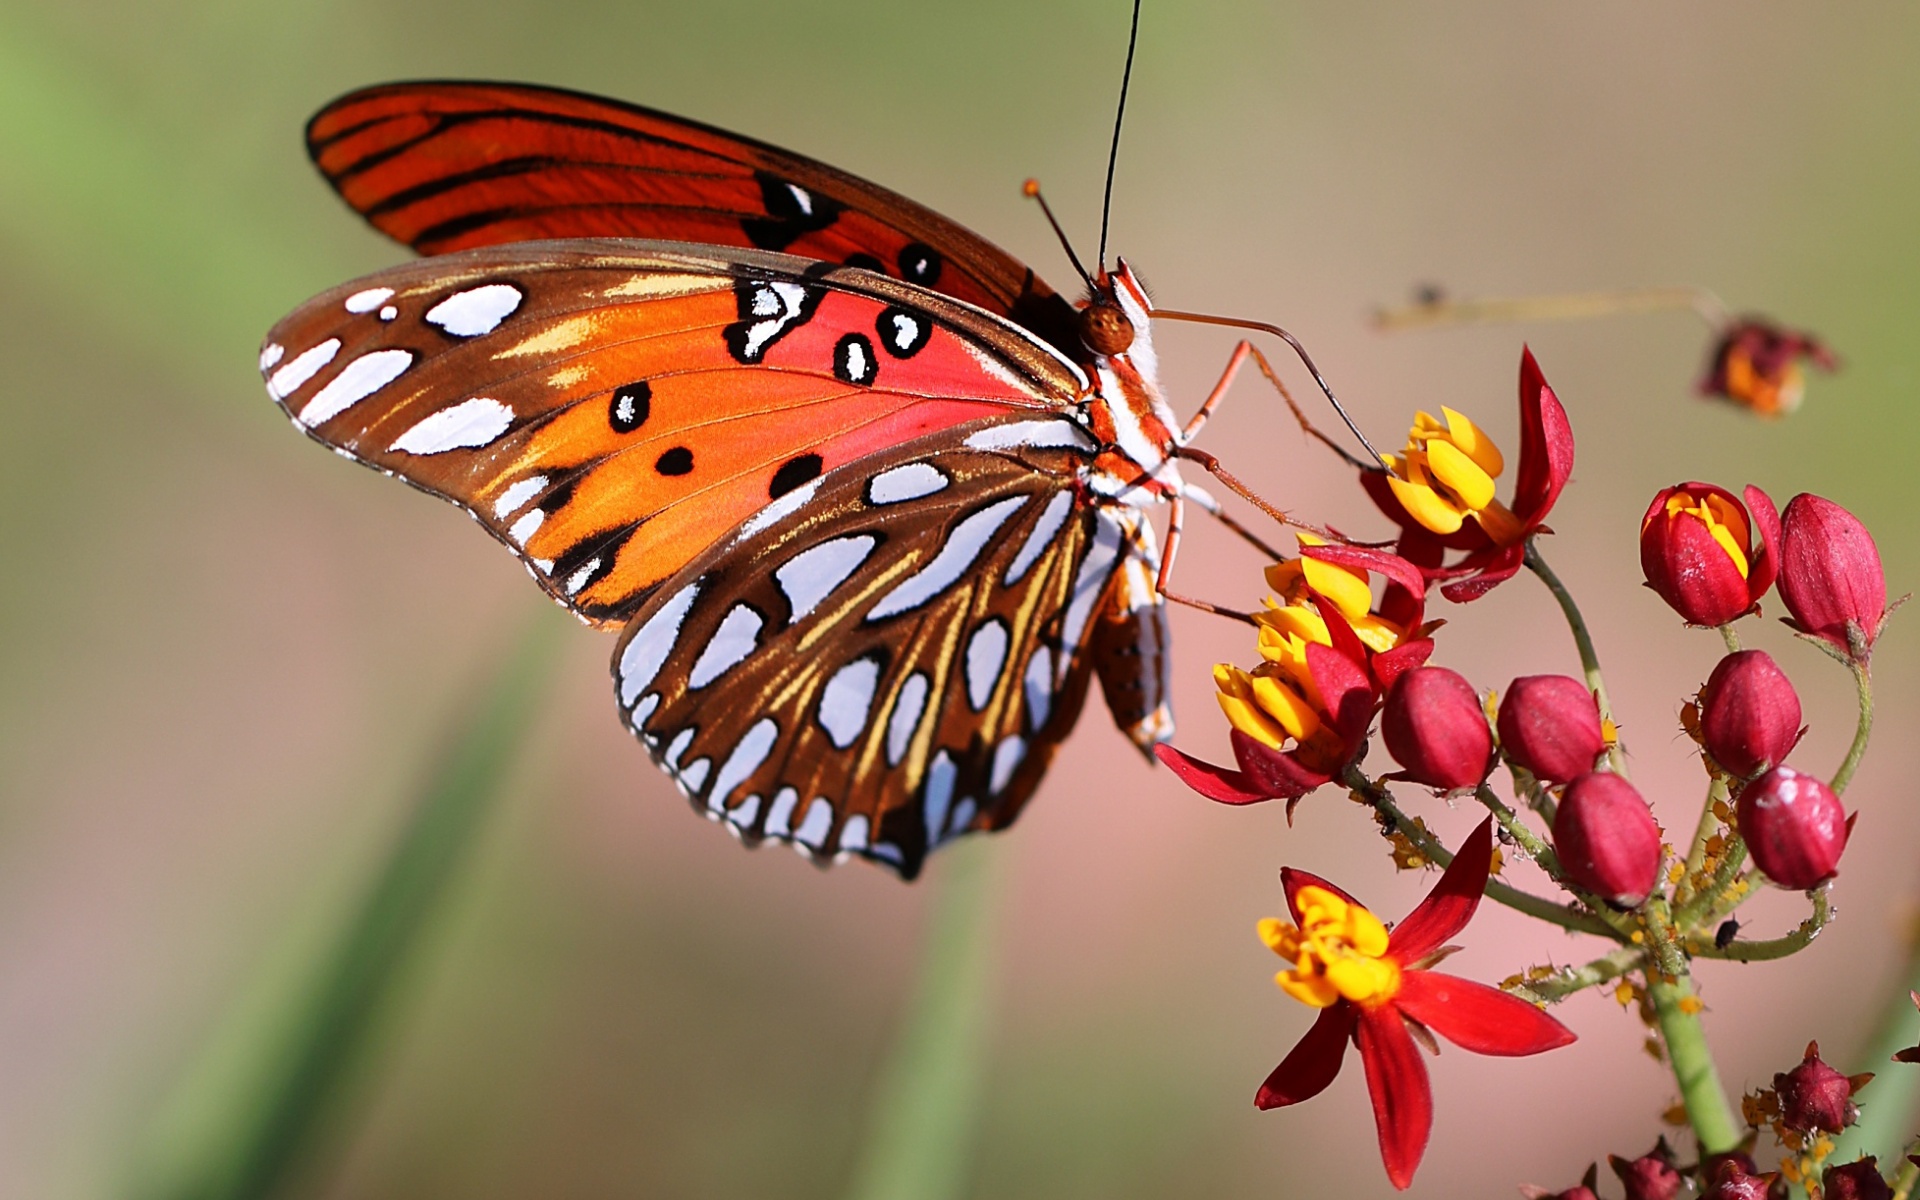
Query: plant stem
[[1863, 688], [1692, 1061], [1589, 657], [920, 1124], [1569, 307], [1909, 1176], [1702, 833], [1889, 1105], [1772, 948], [1568, 980], [1730, 636]]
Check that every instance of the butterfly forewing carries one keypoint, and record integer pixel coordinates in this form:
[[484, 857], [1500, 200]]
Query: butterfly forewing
[[610, 410], [446, 166], [894, 664]]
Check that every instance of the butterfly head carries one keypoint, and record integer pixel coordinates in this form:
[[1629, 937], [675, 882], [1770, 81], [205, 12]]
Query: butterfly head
[[1116, 312]]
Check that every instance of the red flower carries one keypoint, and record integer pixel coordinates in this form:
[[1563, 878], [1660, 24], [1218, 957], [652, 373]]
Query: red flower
[[1300, 717], [1440, 491], [1370, 986], [1756, 364], [1697, 550], [1831, 577]]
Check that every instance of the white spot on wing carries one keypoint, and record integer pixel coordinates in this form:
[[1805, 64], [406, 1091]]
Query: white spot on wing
[[356, 381], [747, 755], [1096, 567], [778, 303], [779, 510], [389, 313], [847, 699], [811, 575], [644, 709], [270, 354], [962, 816], [853, 834], [476, 310], [941, 775], [368, 300], [1039, 688], [986, 658], [747, 810], [648, 650], [909, 482], [962, 547], [677, 747], [1006, 760], [305, 366], [1040, 536], [781, 812], [907, 709], [525, 528], [509, 501], [695, 774], [468, 424], [581, 577], [816, 825], [1053, 432], [803, 198], [738, 635]]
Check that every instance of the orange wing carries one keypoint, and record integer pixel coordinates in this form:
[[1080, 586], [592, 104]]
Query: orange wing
[[443, 166], [610, 410]]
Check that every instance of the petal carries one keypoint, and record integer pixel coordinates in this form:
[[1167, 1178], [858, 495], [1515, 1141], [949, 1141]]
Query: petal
[[1490, 569], [1215, 783], [1271, 772], [1766, 558], [1397, 1084], [1365, 558], [1462, 476], [1546, 446], [1449, 906], [1476, 1017], [1292, 879], [1427, 507], [1345, 687], [1473, 441], [1313, 1062], [1401, 659]]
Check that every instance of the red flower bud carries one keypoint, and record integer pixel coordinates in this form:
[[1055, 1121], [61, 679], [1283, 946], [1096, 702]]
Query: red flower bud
[[1585, 1190], [1855, 1181], [1652, 1176], [1794, 827], [1550, 725], [1831, 577], [1434, 727], [1749, 713], [1732, 1182], [1815, 1096], [1698, 551], [1607, 840]]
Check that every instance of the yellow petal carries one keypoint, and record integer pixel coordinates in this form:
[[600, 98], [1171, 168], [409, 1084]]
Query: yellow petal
[[1300, 621], [1735, 550], [1286, 706], [1501, 525], [1461, 475], [1281, 937], [1473, 442], [1243, 716], [1364, 980], [1315, 991], [1284, 577], [1347, 588], [1378, 634], [1427, 506], [1726, 513], [1365, 931], [1232, 681]]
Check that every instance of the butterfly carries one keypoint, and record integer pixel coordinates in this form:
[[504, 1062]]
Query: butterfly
[[863, 496]]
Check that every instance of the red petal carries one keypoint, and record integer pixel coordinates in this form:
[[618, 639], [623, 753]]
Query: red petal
[[1546, 446], [1293, 879], [1490, 569], [1312, 1063], [1275, 774], [1343, 682], [1401, 659], [1476, 1017], [1397, 1083], [1222, 784], [1766, 524], [1449, 906]]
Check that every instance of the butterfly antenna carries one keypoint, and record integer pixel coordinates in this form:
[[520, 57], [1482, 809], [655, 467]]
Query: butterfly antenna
[[1032, 191], [1113, 152]]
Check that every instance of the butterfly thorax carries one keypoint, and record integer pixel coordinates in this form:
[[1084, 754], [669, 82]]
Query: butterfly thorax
[[1125, 409]]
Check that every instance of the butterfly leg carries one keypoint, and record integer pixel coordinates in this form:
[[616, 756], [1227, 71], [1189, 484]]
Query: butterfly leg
[[1219, 392], [1176, 522], [1241, 353]]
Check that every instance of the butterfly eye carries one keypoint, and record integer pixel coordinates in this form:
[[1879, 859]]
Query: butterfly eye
[[1105, 329]]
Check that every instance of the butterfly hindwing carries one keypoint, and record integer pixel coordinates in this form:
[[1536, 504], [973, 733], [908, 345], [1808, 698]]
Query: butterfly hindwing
[[896, 662], [611, 409], [443, 165]]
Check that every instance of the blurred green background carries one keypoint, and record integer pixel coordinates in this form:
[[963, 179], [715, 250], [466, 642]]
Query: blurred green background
[[229, 663]]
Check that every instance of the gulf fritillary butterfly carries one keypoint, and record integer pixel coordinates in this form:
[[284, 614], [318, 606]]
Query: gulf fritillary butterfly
[[863, 495]]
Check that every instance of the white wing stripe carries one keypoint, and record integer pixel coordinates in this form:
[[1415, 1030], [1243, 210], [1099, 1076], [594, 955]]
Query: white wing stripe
[[811, 575], [737, 637], [1040, 536], [747, 755], [648, 651], [963, 546]]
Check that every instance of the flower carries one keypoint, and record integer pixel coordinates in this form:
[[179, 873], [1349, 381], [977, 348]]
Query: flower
[[1606, 839], [1794, 827], [1749, 713], [1550, 726], [1830, 576], [1434, 727], [1731, 1181], [1860, 1180], [1327, 657], [1756, 364], [1371, 985], [1440, 490], [1652, 1176], [1815, 1096], [1583, 1191], [1697, 551]]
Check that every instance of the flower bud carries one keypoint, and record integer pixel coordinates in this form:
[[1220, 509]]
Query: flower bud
[[1855, 1181], [1794, 828], [1815, 1096], [1550, 725], [1584, 1191], [1749, 713], [1434, 727], [1607, 840], [1652, 1176], [1697, 551], [1830, 573], [1733, 1182]]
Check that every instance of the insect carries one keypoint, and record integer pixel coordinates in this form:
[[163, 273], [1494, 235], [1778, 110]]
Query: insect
[[863, 497]]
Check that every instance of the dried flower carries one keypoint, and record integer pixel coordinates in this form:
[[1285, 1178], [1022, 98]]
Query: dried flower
[[1749, 713], [1756, 364], [1606, 839], [1550, 726], [1859, 1180], [1815, 1096]]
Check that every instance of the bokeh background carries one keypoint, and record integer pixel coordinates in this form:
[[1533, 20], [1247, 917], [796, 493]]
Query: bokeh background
[[229, 662]]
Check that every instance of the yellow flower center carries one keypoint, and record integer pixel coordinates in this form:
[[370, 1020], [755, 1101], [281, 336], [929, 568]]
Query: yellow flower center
[[1338, 952], [1446, 476], [1723, 520]]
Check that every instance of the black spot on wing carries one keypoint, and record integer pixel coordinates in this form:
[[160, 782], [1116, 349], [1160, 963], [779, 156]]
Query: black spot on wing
[[920, 263], [793, 473], [587, 561], [853, 360], [792, 213], [768, 310], [902, 331], [677, 461], [630, 407], [866, 262]]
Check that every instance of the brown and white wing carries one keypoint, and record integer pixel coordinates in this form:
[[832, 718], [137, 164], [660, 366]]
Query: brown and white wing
[[889, 656]]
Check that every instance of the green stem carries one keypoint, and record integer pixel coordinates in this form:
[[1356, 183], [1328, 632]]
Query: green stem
[[1692, 1062], [1863, 688], [1583, 642], [1909, 1177], [1889, 1106], [1702, 834], [920, 1123], [1568, 980], [1773, 948], [1730, 636]]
